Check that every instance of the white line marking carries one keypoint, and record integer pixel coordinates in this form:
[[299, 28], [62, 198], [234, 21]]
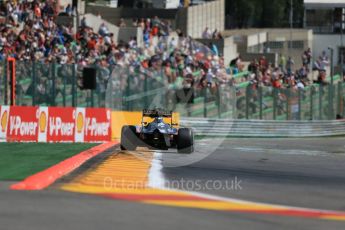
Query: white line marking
[[156, 177]]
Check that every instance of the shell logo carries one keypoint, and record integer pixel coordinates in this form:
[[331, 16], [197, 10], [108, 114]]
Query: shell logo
[[4, 121], [43, 121], [80, 122]]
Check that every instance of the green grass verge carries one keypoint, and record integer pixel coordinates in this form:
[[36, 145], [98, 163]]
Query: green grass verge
[[19, 160]]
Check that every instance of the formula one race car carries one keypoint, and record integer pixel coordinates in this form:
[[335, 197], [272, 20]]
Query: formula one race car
[[157, 134]]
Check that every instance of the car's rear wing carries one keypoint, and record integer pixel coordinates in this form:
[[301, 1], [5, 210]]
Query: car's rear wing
[[156, 113]]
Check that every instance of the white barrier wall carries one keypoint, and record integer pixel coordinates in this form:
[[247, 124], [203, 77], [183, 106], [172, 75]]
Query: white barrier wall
[[211, 15], [321, 43], [257, 40]]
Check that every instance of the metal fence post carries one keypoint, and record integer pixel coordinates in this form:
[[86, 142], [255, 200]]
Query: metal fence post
[[145, 91], [274, 103], [52, 67], [343, 106], [260, 102], [330, 102], [287, 103], [74, 90], [311, 102], [320, 101], [92, 99], [205, 102], [164, 101], [34, 82], [64, 89], [234, 102], [128, 92], [339, 99], [5, 84], [299, 104], [247, 101], [343, 99], [342, 96], [218, 100]]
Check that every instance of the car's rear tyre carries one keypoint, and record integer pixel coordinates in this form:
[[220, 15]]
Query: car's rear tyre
[[128, 138], [185, 140]]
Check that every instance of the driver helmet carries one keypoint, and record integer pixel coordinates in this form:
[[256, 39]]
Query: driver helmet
[[159, 119]]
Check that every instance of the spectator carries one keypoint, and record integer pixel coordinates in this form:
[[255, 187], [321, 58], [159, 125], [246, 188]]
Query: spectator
[[324, 57], [276, 81], [135, 22], [173, 43], [321, 79], [98, 15], [41, 91], [317, 65], [207, 34], [122, 23], [103, 30], [253, 66], [37, 10], [282, 62], [215, 34], [303, 72], [214, 49], [68, 10], [263, 64], [290, 65], [84, 23], [308, 54]]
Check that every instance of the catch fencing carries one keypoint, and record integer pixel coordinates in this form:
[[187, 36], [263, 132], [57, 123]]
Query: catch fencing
[[135, 88]]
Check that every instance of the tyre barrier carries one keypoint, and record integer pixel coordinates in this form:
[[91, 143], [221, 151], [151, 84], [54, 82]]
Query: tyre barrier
[[264, 128]]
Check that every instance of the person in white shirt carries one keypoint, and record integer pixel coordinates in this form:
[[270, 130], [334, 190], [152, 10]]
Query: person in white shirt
[[206, 34]]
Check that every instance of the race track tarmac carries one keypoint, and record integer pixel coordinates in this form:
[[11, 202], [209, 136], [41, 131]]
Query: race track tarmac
[[305, 173]]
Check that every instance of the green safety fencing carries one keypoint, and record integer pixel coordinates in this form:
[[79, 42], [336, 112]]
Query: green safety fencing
[[135, 88], [51, 84]]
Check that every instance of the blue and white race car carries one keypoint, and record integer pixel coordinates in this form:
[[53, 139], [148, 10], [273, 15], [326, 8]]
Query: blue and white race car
[[157, 134]]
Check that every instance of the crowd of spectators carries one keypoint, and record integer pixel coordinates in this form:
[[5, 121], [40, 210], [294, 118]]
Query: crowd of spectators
[[286, 74], [29, 32]]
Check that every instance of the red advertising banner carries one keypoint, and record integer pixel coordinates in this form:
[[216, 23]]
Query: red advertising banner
[[61, 124], [97, 126], [54, 124], [22, 124]]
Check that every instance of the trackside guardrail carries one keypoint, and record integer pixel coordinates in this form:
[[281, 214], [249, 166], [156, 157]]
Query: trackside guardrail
[[264, 128]]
